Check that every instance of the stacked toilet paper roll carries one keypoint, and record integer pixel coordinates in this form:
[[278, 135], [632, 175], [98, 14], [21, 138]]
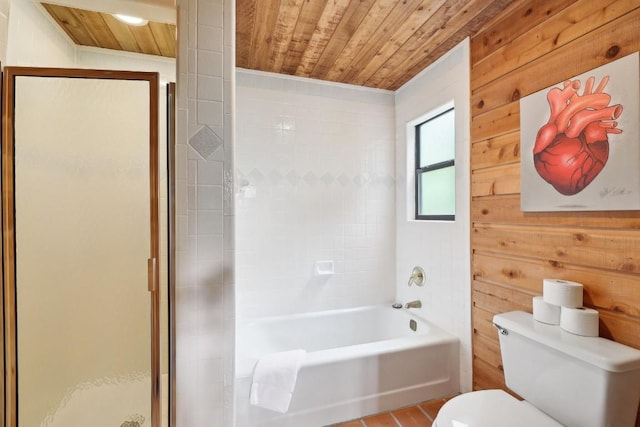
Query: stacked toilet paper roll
[[561, 304], [562, 293], [580, 321], [545, 312]]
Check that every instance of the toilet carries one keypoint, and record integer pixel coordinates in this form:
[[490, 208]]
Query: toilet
[[565, 380]]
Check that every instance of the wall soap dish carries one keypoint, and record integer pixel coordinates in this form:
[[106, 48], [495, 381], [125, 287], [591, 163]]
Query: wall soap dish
[[324, 268]]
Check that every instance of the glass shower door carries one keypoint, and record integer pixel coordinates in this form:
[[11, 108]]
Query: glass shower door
[[86, 225]]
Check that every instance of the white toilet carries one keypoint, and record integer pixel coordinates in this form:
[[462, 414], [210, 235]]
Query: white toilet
[[565, 379]]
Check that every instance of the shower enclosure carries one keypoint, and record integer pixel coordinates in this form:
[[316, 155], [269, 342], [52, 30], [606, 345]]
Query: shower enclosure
[[81, 249]]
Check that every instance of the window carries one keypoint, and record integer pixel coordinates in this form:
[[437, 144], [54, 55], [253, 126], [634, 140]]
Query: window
[[435, 194]]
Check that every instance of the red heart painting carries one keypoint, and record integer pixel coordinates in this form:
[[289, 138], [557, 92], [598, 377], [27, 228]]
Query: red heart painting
[[573, 147]]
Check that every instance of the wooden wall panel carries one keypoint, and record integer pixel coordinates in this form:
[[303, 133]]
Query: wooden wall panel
[[517, 20], [495, 181], [506, 210], [605, 44], [500, 150], [559, 30], [617, 250], [534, 44], [495, 122], [487, 377]]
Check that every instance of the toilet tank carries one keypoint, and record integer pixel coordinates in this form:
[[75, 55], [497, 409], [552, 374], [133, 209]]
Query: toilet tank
[[579, 381]]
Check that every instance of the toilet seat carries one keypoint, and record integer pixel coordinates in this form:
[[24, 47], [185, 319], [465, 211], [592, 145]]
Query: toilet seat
[[491, 408]]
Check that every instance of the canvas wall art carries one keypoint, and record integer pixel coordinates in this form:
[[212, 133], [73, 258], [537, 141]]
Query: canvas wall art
[[580, 141]]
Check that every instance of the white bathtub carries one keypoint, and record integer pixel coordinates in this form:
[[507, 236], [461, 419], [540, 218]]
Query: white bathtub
[[360, 361]]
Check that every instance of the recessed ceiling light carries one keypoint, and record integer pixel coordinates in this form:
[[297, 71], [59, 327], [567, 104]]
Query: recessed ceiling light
[[131, 20]]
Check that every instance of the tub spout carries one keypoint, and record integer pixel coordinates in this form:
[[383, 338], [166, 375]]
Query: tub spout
[[414, 304]]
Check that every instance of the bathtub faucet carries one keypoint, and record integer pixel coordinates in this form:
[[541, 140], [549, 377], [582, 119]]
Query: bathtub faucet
[[414, 304]]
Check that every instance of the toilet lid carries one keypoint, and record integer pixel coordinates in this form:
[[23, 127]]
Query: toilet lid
[[491, 408]]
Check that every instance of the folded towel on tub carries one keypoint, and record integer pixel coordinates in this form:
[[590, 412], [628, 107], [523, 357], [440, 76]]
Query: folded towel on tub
[[274, 379]]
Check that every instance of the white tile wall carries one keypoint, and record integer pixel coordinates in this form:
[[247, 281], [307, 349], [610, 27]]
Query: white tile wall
[[441, 248], [315, 181], [205, 305]]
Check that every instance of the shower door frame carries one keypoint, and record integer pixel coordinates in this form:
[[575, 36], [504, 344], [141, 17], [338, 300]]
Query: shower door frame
[[9, 390]]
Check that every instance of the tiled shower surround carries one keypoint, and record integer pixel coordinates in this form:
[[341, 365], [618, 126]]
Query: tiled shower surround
[[205, 317], [315, 181]]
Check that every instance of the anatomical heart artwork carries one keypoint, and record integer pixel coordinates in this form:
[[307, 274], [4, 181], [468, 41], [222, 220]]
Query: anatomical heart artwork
[[580, 141]]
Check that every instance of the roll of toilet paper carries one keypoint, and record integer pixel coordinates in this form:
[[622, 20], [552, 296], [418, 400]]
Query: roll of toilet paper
[[545, 312], [580, 321], [562, 292]]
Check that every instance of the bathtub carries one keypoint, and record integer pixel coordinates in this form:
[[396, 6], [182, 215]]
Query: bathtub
[[360, 361]]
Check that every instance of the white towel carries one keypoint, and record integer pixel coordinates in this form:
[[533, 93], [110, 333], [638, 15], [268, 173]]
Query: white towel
[[274, 379]]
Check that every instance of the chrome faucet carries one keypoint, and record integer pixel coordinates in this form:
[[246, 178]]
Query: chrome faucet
[[414, 304]]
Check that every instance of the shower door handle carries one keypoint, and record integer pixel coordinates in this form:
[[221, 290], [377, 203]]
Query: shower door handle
[[151, 274]]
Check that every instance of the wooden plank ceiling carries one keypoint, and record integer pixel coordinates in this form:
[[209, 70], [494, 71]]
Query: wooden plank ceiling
[[97, 29], [374, 43]]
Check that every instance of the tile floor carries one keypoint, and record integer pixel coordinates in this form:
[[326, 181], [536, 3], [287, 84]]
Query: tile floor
[[421, 415]]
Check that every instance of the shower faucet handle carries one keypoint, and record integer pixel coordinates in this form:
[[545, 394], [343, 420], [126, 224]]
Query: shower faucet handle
[[417, 277]]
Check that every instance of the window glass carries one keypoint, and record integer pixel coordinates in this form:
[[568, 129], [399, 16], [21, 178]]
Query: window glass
[[437, 192], [437, 137]]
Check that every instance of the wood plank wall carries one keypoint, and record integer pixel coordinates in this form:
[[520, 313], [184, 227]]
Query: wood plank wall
[[534, 44]]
